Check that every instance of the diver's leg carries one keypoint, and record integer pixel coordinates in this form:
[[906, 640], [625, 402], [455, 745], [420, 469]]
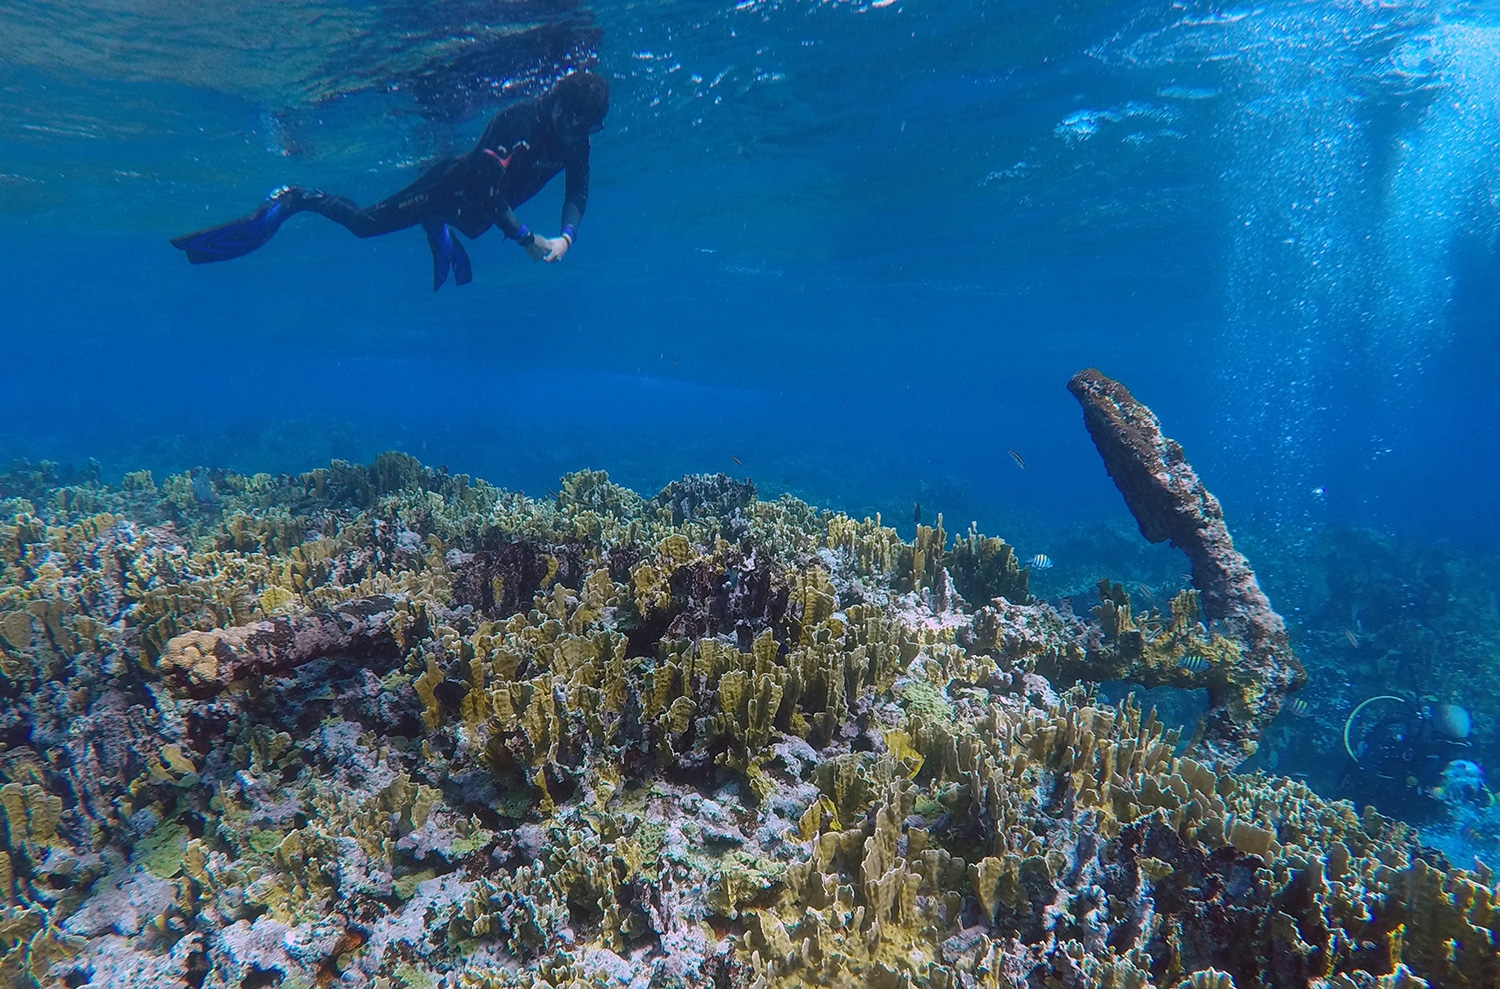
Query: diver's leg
[[382, 218], [239, 237], [414, 204]]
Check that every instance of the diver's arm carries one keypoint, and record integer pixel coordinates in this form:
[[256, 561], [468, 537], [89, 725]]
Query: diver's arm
[[575, 198], [536, 247], [507, 221], [576, 191]]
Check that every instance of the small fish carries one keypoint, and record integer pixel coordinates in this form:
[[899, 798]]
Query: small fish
[[1193, 663], [1021, 463], [1353, 639], [1040, 562], [554, 494], [1146, 593], [736, 460], [1299, 707], [916, 513]]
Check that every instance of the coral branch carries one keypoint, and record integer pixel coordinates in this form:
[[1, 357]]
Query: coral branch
[[1169, 502], [203, 664]]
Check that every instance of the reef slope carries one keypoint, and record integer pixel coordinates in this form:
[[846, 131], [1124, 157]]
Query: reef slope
[[384, 726]]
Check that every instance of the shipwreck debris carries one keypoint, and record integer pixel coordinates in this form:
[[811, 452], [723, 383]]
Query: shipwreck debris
[[1170, 503], [203, 664]]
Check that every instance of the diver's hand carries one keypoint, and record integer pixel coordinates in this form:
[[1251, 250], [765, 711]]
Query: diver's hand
[[551, 248], [539, 248], [557, 247]]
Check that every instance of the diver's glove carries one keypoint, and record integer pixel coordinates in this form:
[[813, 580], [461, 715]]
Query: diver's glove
[[556, 247], [538, 248]]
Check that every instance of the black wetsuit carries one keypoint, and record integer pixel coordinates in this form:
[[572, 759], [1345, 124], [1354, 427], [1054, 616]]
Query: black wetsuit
[[517, 155]]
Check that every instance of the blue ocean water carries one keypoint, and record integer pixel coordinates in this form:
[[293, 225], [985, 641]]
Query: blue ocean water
[[851, 250], [858, 247]]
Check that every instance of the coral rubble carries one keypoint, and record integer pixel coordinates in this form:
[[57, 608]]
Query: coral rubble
[[383, 726]]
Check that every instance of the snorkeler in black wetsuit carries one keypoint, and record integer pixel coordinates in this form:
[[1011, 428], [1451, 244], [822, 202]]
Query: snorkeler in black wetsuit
[[521, 150]]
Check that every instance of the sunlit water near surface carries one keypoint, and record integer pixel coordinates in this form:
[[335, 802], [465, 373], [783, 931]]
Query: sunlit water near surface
[[852, 251]]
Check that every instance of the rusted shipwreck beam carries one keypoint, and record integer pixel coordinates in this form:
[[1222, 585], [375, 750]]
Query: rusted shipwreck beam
[[1170, 503], [203, 664]]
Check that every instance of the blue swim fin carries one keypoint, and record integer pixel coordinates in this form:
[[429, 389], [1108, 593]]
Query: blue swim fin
[[447, 253], [239, 237], [463, 272]]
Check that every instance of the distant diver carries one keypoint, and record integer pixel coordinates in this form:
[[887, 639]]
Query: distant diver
[[1412, 755], [522, 149]]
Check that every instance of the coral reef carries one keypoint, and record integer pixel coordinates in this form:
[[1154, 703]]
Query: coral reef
[[385, 726], [1170, 503]]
